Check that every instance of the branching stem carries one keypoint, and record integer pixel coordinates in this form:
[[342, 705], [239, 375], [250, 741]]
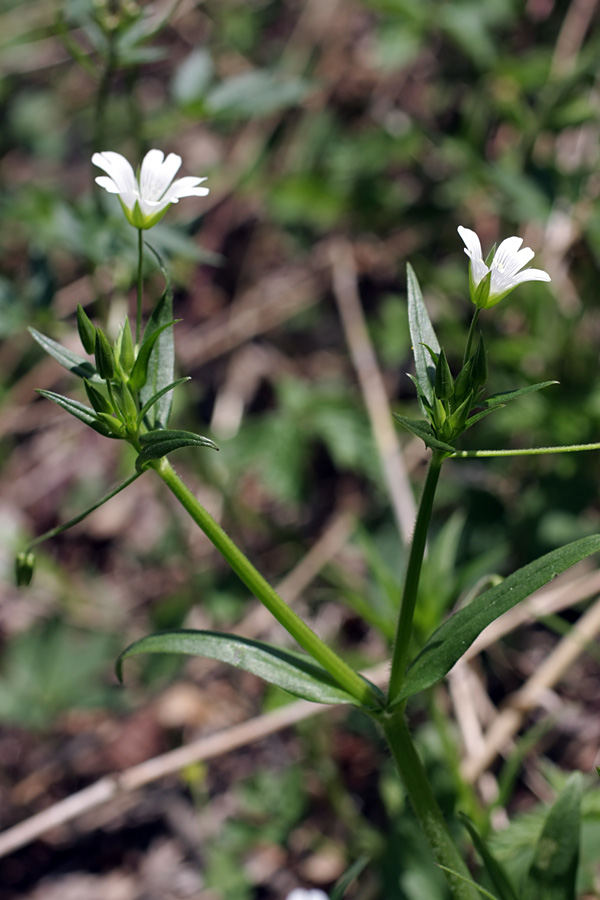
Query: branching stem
[[345, 676]]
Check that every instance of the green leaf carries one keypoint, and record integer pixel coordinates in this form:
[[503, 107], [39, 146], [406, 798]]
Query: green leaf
[[494, 869], [139, 373], [503, 399], [350, 875], [451, 640], [257, 93], [290, 670], [553, 871], [156, 444], [162, 360], [79, 410], [152, 400], [424, 431], [421, 333], [69, 360]]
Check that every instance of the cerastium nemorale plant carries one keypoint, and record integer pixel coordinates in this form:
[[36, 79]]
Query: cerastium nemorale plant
[[129, 387]]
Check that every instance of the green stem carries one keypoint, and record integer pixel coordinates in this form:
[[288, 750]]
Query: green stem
[[425, 805], [138, 318], [471, 335], [346, 677], [411, 582], [82, 515], [527, 451]]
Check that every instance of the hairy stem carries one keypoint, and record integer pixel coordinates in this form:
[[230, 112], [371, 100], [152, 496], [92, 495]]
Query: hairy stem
[[426, 806], [411, 582], [140, 287], [346, 677]]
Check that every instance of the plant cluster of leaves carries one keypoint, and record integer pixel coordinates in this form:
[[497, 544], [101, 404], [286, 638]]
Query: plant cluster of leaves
[[392, 122]]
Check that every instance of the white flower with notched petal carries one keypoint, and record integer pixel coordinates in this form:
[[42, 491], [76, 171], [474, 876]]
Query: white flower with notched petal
[[490, 283], [302, 894], [146, 199]]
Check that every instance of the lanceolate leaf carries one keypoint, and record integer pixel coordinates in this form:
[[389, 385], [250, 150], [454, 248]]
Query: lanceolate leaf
[[421, 333], [503, 399], [495, 870], [79, 410], [162, 359], [156, 444], [139, 373], [158, 395], [290, 670], [69, 360], [553, 871], [446, 645], [424, 431]]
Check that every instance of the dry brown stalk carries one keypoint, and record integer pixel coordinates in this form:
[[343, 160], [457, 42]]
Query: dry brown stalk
[[345, 290]]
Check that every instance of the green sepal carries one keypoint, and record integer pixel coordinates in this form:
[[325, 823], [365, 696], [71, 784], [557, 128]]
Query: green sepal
[[162, 361], [454, 637], [155, 397], [480, 365], [79, 410], [495, 870], [105, 359], [126, 352], [444, 382], [294, 672], [424, 431], [503, 399], [87, 331], [156, 444], [553, 872], [127, 406], [24, 568], [97, 398], [74, 363], [422, 335], [139, 373], [481, 293], [113, 425]]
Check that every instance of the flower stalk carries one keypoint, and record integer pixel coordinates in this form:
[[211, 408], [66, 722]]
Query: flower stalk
[[345, 676], [411, 583]]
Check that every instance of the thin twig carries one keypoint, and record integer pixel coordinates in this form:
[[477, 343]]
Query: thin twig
[[528, 697], [132, 779], [346, 294]]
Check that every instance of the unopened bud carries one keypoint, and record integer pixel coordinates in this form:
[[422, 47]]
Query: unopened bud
[[24, 568]]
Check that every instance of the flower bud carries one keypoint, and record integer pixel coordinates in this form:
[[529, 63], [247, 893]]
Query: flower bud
[[105, 360], [24, 568], [87, 332]]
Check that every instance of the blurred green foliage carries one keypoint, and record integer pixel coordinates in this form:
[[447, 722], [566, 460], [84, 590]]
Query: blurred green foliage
[[390, 122]]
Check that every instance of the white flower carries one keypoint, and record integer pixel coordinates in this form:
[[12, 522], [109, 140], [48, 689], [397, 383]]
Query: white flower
[[146, 199], [489, 284], [302, 894]]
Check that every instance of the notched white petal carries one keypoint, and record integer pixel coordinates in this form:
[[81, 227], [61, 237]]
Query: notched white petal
[[471, 241]]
